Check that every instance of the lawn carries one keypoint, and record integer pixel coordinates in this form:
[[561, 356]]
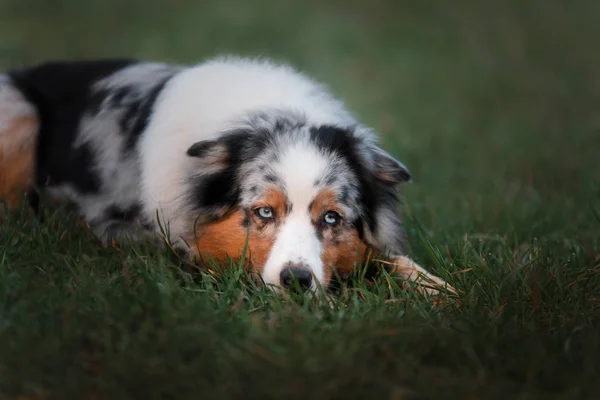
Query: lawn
[[494, 107]]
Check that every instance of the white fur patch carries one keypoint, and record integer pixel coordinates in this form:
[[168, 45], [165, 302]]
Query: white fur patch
[[140, 77], [299, 167], [296, 244]]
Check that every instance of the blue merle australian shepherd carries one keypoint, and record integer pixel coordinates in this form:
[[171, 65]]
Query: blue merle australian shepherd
[[224, 154]]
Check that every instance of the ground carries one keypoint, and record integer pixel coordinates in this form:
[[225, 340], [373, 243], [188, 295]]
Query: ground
[[494, 107]]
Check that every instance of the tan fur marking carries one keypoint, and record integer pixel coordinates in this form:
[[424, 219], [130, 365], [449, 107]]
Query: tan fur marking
[[18, 134], [426, 281], [345, 256], [324, 201], [342, 249], [226, 238], [276, 200]]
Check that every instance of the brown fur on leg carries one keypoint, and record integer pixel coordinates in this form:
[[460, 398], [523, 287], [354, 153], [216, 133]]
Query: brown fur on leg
[[18, 133]]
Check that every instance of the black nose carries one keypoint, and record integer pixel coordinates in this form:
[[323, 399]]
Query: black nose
[[292, 276]]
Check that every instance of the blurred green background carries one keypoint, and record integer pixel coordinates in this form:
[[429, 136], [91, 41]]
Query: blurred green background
[[492, 105]]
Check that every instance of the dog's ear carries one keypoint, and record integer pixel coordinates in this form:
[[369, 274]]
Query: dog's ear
[[209, 152], [388, 169], [213, 172], [200, 149], [225, 150], [383, 226], [212, 176]]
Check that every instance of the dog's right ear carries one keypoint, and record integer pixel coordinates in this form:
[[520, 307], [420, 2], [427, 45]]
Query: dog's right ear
[[210, 153], [223, 151], [200, 149], [213, 173]]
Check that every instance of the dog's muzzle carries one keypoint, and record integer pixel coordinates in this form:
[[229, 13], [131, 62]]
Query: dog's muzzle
[[296, 277]]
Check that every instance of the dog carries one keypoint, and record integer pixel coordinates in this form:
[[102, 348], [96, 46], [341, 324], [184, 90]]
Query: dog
[[226, 155]]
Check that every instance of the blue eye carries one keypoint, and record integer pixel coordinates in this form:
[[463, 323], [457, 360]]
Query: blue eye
[[264, 212], [332, 218]]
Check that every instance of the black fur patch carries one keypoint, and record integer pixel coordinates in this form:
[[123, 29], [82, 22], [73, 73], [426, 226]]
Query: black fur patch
[[60, 91], [137, 117], [125, 214], [359, 228], [221, 190]]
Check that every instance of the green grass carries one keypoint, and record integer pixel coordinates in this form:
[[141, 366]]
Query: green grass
[[495, 108]]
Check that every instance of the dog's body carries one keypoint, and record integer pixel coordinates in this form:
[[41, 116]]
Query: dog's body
[[223, 153]]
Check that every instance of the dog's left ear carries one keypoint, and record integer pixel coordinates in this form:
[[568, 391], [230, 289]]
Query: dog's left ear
[[388, 169]]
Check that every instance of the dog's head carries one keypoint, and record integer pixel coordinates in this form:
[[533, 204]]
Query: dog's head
[[305, 199]]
